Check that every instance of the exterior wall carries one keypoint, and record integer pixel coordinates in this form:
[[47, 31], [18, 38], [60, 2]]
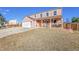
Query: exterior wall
[[51, 13], [33, 16], [37, 15], [12, 22], [44, 14], [59, 11], [26, 19]]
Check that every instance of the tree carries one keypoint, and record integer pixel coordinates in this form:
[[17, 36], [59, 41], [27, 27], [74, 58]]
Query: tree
[[2, 20], [74, 19]]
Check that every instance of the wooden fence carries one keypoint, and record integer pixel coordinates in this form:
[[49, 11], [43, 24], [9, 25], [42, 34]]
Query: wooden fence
[[16, 25], [73, 26]]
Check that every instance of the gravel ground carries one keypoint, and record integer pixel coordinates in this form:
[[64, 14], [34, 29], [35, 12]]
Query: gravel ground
[[42, 39]]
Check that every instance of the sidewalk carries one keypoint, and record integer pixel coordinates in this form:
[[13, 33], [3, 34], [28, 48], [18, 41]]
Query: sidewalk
[[10, 31]]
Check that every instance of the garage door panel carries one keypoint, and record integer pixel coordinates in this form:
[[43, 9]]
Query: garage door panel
[[26, 24]]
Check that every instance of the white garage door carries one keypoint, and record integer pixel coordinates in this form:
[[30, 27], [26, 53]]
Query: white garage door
[[26, 24]]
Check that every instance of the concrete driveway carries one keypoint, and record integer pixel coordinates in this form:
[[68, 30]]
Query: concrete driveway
[[10, 31]]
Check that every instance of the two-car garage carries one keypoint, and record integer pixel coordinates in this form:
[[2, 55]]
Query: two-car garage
[[26, 25]]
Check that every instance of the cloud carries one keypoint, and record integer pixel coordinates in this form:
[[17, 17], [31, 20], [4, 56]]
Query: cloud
[[7, 10], [4, 10], [4, 13]]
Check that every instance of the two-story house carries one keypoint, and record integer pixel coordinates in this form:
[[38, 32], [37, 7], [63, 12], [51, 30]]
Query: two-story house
[[50, 18]]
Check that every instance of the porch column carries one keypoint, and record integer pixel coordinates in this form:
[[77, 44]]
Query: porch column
[[62, 23], [35, 24], [77, 26], [53, 22], [50, 23], [70, 26], [41, 23]]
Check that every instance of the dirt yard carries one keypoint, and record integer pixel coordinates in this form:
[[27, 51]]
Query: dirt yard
[[42, 39]]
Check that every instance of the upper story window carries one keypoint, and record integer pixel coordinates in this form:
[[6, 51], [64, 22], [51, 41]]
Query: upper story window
[[55, 13], [47, 14], [40, 15]]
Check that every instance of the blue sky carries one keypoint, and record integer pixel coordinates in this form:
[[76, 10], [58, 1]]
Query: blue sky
[[70, 12], [20, 12]]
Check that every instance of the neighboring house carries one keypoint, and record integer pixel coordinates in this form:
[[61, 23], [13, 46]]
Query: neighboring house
[[12, 23], [50, 18]]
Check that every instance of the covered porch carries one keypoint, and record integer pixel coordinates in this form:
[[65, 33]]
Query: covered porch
[[54, 21]]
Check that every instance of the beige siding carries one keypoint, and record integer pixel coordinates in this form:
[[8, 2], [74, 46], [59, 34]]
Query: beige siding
[[43, 14], [26, 19], [37, 15], [33, 16], [51, 13], [59, 12]]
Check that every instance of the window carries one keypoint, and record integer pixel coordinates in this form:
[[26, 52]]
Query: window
[[47, 14], [55, 13], [40, 15]]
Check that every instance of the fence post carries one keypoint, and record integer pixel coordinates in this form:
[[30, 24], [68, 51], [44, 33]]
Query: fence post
[[77, 26], [70, 25], [62, 23]]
